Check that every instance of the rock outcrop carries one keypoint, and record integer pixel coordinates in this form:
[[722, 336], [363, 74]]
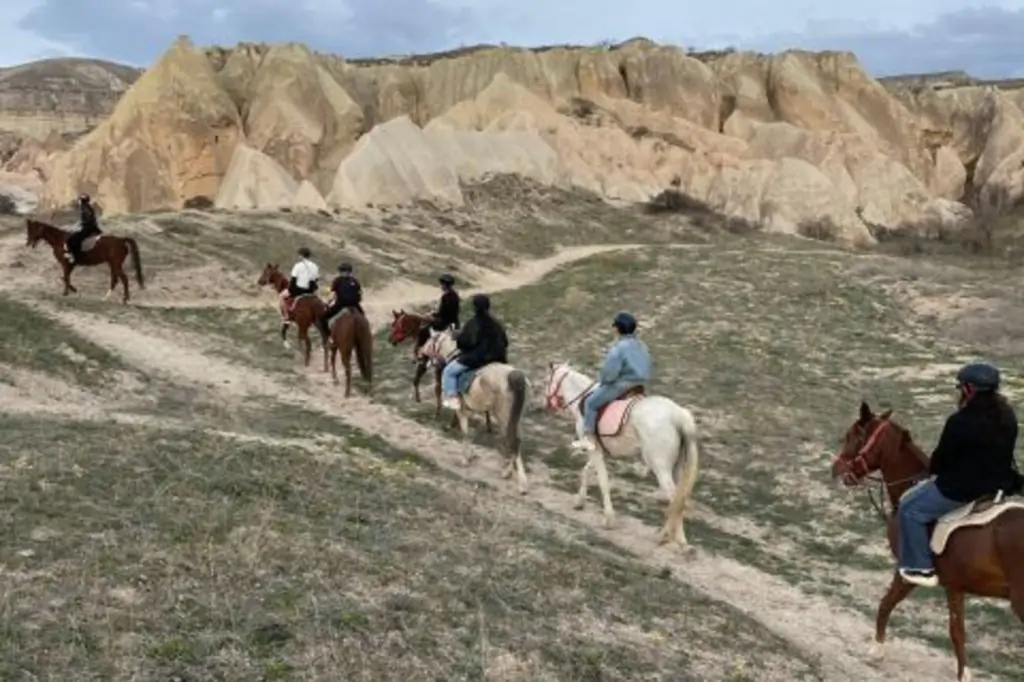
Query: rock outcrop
[[255, 181], [787, 141]]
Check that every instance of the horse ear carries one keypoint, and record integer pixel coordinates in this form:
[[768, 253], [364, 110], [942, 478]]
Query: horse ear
[[395, 313], [885, 415], [866, 414]]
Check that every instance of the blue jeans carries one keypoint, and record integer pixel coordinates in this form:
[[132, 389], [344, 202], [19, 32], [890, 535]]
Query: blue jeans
[[450, 378], [601, 396], [923, 505]]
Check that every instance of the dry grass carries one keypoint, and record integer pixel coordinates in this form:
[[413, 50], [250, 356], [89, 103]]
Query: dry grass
[[268, 550]]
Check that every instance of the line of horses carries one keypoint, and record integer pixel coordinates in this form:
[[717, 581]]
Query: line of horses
[[982, 554]]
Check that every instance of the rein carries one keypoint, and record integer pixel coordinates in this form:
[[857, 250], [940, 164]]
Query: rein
[[880, 485]]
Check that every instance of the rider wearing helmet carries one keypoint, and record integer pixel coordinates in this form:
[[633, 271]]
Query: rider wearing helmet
[[626, 366], [348, 293], [973, 459], [88, 226], [447, 314], [481, 342]]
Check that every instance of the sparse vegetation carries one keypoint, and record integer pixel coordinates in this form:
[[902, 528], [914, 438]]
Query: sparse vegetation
[[7, 205]]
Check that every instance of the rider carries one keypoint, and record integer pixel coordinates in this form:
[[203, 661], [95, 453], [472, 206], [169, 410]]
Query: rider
[[481, 342], [348, 293], [626, 366], [446, 315], [88, 226], [305, 277], [973, 459]]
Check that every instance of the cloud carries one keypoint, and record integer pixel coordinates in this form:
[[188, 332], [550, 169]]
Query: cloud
[[905, 36]]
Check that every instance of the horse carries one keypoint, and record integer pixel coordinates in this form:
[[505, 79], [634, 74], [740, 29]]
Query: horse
[[408, 326], [979, 549], [304, 311], [351, 331], [499, 389], [98, 249], [662, 432]]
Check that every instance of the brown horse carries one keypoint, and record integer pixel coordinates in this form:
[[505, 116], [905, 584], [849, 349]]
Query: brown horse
[[304, 311], [105, 249], [984, 556], [351, 331], [408, 326]]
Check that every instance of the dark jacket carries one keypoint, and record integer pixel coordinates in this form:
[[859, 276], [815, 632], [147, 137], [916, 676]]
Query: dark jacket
[[347, 292], [974, 456], [447, 313], [481, 342], [87, 219]]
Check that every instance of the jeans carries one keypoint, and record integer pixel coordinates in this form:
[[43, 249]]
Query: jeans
[[450, 378], [919, 507], [602, 395]]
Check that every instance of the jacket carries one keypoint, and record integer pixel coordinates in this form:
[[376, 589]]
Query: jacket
[[481, 342], [447, 313], [974, 455], [347, 292], [88, 225], [628, 364]]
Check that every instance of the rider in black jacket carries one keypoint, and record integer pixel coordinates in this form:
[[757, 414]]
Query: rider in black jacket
[[88, 226], [348, 293], [446, 315]]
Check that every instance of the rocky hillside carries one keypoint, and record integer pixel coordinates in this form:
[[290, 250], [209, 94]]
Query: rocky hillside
[[788, 141]]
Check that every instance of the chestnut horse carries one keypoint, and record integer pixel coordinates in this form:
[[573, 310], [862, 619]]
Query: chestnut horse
[[408, 326], [304, 311], [350, 330], [105, 249], [985, 559]]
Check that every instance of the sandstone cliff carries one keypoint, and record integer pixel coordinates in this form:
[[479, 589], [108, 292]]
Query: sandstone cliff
[[784, 140]]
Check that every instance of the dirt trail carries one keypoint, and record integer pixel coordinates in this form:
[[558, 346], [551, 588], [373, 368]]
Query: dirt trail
[[839, 637]]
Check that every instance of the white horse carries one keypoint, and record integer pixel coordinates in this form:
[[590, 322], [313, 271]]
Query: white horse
[[499, 390], [655, 427]]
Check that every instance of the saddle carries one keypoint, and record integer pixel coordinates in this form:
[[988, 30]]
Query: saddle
[[981, 512], [612, 417]]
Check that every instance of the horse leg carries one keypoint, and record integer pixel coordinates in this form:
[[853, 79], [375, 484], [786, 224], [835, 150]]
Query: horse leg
[[118, 272], [581, 496], [467, 442], [957, 635], [334, 363], [487, 417], [113, 283], [284, 334], [421, 370], [346, 362], [437, 392], [597, 457], [67, 278], [897, 592], [324, 343], [307, 345]]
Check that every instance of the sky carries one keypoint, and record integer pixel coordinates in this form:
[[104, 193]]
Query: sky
[[986, 39]]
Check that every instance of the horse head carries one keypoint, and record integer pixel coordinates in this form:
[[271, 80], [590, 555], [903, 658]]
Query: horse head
[[270, 274], [33, 232], [555, 398], [403, 325], [876, 443]]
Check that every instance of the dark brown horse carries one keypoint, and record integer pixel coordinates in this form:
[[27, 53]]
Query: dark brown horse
[[351, 331], [304, 311], [408, 326], [982, 560], [107, 249]]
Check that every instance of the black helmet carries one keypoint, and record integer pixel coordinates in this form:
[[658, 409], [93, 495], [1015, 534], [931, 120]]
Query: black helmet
[[345, 268], [625, 323], [305, 253], [481, 303], [980, 376], [446, 279], [83, 198]]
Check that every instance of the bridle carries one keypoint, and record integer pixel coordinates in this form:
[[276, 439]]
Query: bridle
[[859, 474], [553, 400]]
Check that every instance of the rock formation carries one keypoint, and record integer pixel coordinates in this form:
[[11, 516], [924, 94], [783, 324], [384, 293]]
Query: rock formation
[[787, 141]]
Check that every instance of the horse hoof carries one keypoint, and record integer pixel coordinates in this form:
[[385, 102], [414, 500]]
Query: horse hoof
[[609, 521], [876, 652], [966, 677], [579, 502], [507, 473]]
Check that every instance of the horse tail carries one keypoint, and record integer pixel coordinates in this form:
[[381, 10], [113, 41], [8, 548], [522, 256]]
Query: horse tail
[[364, 347], [685, 470], [133, 249], [517, 384]]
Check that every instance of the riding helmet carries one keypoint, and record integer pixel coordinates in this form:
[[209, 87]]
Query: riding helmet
[[979, 375], [625, 323], [481, 303], [83, 198], [305, 252], [345, 268], [447, 280]]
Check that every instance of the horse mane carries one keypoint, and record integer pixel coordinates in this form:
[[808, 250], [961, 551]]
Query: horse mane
[[43, 225], [908, 441]]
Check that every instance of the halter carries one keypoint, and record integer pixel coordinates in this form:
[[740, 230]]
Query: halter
[[554, 401], [859, 474]]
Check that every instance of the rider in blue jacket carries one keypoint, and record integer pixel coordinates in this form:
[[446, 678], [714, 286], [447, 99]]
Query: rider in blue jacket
[[627, 366]]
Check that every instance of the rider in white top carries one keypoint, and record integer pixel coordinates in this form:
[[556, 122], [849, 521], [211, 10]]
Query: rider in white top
[[305, 275]]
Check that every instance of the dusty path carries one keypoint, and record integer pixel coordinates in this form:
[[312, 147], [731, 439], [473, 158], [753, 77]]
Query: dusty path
[[839, 637]]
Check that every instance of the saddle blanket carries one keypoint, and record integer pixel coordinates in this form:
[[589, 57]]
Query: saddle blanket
[[973, 514], [613, 416]]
